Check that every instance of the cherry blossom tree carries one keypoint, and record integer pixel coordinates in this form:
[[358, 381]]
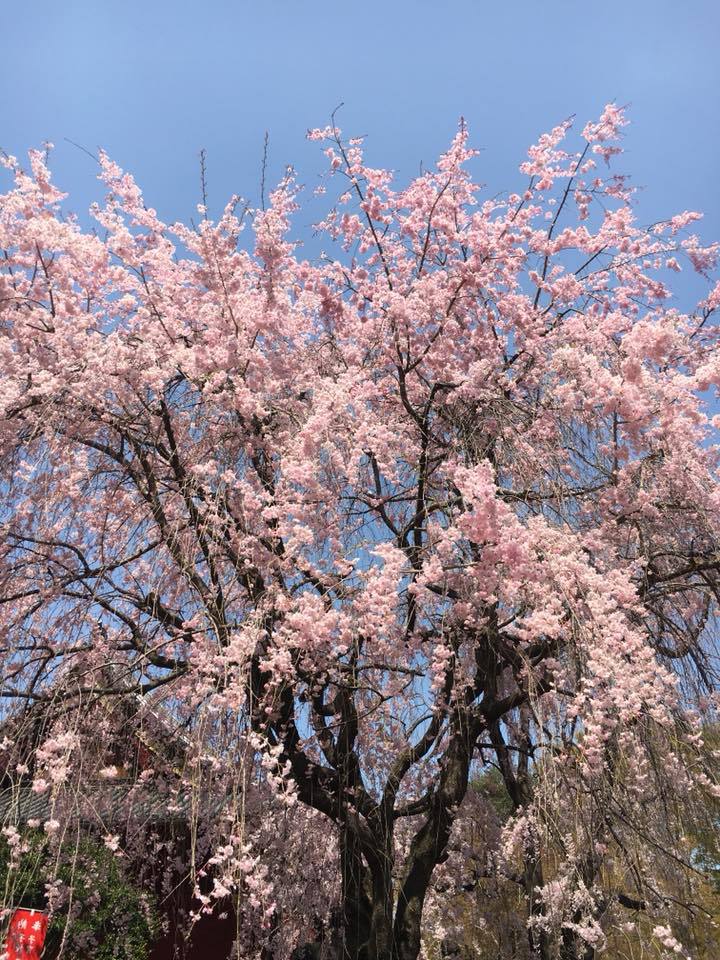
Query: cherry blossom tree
[[441, 499]]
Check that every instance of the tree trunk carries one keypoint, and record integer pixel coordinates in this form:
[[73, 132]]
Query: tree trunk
[[430, 842], [532, 879], [357, 910], [408, 919]]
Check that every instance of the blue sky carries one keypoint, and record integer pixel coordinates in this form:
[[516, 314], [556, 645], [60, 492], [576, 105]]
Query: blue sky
[[155, 82]]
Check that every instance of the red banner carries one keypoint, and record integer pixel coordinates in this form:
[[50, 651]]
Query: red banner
[[26, 935]]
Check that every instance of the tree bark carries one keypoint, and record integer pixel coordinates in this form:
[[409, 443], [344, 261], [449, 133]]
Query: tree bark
[[357, 909]]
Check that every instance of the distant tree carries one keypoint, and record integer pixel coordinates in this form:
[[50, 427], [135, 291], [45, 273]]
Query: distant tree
[[444, 499], [477, 899]]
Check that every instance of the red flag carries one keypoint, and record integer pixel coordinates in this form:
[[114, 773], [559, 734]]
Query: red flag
[[26, 935]]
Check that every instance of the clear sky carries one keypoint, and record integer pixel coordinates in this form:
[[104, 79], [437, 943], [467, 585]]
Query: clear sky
[[153, 82]]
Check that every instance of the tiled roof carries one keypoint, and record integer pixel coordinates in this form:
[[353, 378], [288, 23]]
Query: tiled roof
[[21, 804], [102, 803]]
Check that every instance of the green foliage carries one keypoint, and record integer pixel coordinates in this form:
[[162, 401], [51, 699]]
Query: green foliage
[[705, 830], [707, 856], [101, 914], [491, 786], [22, 885]]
